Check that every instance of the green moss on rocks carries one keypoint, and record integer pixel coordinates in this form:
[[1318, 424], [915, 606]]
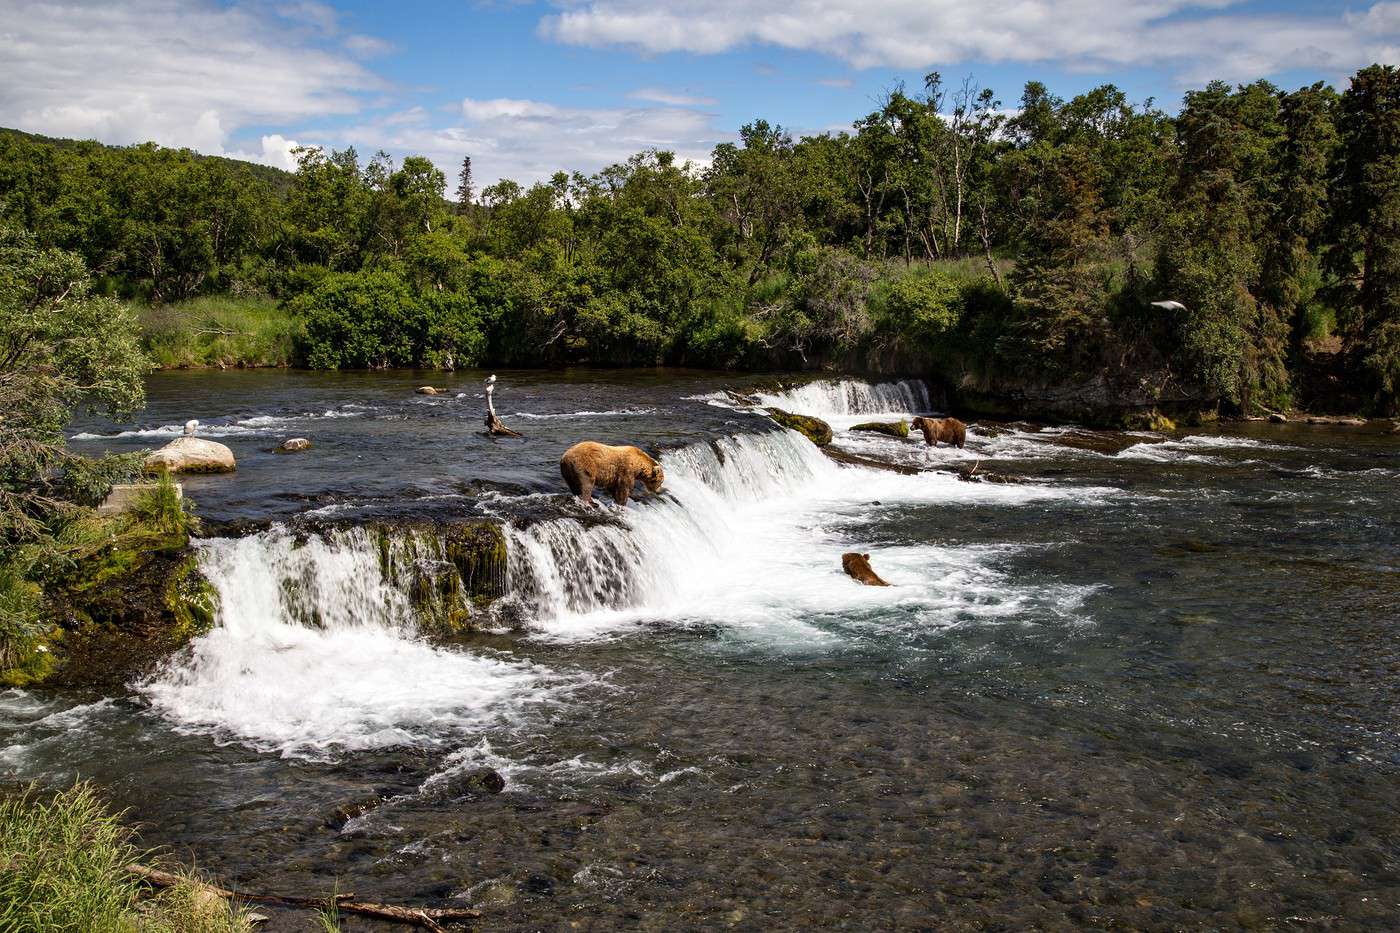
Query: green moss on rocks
[[892, 428], [192, 601], [814, 429], [119, 608], [1147, 421], [33, 660], [450, 572]]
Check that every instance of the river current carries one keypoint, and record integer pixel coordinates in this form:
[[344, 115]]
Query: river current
[[1153, 685]]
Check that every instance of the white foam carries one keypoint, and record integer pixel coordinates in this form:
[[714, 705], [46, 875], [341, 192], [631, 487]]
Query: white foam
[[315, 651], [621, 413], [239, 427], [1184, 449], [749, 535]]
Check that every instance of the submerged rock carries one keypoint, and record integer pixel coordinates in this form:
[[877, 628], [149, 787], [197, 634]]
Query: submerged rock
[[191, 455], [898, 429], [975, 475], [1336, 419], [339, 816], [814, 429], [741, 398], [292, 445], [850, 459], [1109, 443], [474, 782]]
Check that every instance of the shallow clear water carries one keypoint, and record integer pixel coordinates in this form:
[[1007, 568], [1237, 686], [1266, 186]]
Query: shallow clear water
[[1155, 686]]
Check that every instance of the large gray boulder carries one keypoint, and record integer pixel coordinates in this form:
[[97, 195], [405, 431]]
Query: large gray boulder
[[191, 455]]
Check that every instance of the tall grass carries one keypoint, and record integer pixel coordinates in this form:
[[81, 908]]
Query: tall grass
[[219, 330], [962, 270], [63, 870]]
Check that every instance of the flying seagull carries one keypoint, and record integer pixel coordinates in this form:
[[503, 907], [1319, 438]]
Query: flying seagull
[[190, 427], [1169, 305]]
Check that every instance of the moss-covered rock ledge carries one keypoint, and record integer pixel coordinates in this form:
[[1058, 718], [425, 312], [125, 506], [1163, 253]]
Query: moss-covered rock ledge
[[124, 592], [452, 571]]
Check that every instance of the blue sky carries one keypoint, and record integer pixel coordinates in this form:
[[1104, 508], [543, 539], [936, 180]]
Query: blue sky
[[528, 88]]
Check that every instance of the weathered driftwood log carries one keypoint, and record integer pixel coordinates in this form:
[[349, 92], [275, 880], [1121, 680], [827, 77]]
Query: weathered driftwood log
[[494, 426], [427, 917]]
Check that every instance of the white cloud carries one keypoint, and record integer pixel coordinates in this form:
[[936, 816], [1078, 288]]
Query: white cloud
[[319, 16], [659, 95], [179, 73], [529, 140], [1190, 37], [840, 83], [276, 151], [506, 108], [367, 46]]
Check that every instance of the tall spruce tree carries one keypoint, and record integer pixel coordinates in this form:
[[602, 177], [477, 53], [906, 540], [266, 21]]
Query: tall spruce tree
[[465, 191], [1365, 255]]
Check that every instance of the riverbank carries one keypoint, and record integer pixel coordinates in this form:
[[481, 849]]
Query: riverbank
[[219, 332]]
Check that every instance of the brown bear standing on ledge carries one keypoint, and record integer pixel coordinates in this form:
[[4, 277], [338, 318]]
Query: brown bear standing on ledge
[[949, 430], [615, 469], [858, 566]]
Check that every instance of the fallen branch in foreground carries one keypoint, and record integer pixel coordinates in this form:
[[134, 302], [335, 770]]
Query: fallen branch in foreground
[[426, 917]]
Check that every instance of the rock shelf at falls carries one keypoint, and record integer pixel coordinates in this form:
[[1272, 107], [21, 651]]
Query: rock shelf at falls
[[1118, 682]]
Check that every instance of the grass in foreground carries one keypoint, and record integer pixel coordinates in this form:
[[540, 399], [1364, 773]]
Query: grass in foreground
[[219, 330], [63, 869]]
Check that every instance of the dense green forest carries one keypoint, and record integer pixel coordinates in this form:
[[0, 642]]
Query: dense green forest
[[993, 246]]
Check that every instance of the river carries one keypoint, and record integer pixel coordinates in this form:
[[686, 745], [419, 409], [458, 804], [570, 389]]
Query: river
[[1155, 685]]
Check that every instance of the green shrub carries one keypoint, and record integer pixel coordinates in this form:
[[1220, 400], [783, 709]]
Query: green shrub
[[86, 481], [918, 307], [367, 319]]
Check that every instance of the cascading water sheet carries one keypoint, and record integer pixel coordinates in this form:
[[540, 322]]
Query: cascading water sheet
[[841, 397], [749, 535], [315, 650]]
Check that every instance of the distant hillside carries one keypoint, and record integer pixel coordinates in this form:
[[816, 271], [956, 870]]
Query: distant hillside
[[277, 178]]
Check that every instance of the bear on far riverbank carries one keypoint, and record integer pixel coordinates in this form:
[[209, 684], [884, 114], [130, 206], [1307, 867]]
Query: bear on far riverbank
[[949, 430]]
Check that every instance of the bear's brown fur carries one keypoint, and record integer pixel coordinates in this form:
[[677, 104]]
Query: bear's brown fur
[[858, 566], [949, 430], [589, 464]]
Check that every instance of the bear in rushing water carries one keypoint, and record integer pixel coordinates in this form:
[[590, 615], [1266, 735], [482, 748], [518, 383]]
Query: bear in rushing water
[[589, 464], [858, 566], [949, 430]]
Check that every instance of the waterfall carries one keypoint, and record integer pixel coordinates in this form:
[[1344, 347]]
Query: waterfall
[[838, 397], [563, 567], [748, 534], [315, 649], [318, 648]]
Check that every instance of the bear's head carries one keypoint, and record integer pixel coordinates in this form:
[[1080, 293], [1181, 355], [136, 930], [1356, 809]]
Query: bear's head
[[653, 477]]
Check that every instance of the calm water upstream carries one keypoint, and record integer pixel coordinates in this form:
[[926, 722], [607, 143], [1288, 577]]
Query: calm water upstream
[[1156, 686]]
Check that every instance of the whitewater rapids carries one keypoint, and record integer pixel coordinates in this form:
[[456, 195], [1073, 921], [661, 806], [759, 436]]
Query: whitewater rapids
[[316, 650]]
